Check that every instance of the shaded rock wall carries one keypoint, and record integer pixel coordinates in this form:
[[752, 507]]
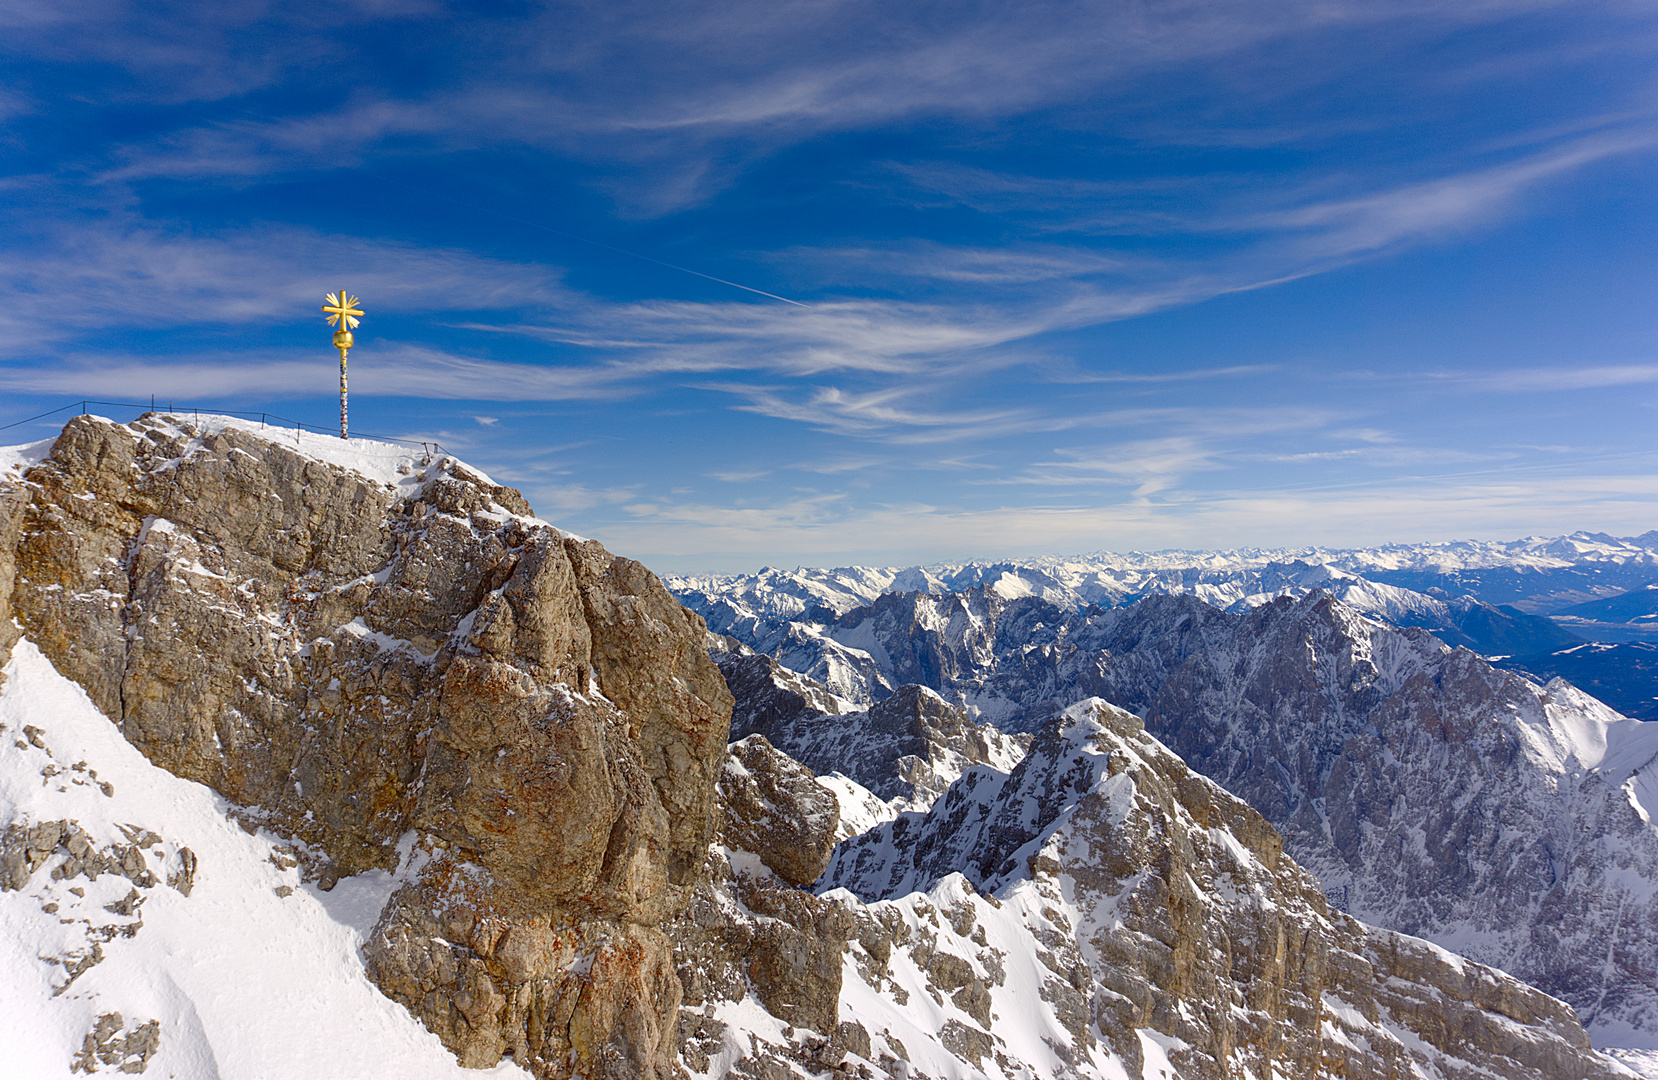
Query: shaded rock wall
[[768, 695], [351, 658], [751, 931], [1435, 794], [910, 746]]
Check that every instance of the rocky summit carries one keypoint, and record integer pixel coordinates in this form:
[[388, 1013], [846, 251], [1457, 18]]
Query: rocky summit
[[349, 658], [325, 757]]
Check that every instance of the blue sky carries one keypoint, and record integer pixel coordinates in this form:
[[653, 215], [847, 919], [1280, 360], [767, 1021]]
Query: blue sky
[[996, 280]]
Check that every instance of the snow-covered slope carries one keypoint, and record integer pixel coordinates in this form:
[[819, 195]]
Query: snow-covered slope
[[1348, 734], [138, 914], [1431, 792], [1172, 935], [1409, 584]]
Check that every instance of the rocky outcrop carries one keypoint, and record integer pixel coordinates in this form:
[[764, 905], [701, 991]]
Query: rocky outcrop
[[909, 747], [775, 808], [13, 501], [353, 651], [768, 697], [752, 934], [1171, 923]]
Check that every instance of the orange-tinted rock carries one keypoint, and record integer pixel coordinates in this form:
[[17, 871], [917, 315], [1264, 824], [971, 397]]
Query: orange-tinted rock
[[351, 660]]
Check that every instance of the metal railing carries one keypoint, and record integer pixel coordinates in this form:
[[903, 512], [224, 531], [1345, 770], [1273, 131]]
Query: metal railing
[[268, 419]]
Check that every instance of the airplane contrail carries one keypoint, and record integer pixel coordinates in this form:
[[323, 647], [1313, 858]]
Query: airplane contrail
[[585, 240]]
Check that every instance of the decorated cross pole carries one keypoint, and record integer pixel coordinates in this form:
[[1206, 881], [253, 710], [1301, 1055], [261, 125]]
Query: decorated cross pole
[[342, 312]]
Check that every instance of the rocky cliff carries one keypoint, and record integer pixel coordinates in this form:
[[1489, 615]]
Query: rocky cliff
[[906, 749], [1177, 937], [1348, 734], [1431, 793], [1437, 795], [353, 645], [1100, 911]]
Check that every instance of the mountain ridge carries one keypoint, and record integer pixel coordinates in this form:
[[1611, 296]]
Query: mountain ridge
[[1344, 732]]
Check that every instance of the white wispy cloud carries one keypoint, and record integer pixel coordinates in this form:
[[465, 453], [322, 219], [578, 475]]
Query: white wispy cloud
[[834, 531], [1575, 377], [1012, 264], [228, 378], [128, 273], [1184, 440], [838, 466], [573, 498], [859, 367], [1076, 375], [1435, 209], [881, 414], [80, 275], [1284, 226], [684, 95], [386, 369], [1148, 465], [877, 337]]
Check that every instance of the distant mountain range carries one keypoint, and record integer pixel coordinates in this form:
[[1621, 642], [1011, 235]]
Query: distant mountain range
[[1528, 604], [1539, 576], [1429, 791]]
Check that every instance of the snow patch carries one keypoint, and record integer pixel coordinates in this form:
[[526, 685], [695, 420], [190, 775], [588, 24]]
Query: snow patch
[[252, 975]]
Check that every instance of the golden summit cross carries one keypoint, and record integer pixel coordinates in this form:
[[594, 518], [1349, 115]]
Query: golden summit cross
[[341, 311]]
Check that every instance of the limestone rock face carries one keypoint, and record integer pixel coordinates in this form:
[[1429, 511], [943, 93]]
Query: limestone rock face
[[910, 746], [352, 657], [13, 502], [769, 697], [1172, 920], [1430, 792], [752, 930], [774, 807]]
